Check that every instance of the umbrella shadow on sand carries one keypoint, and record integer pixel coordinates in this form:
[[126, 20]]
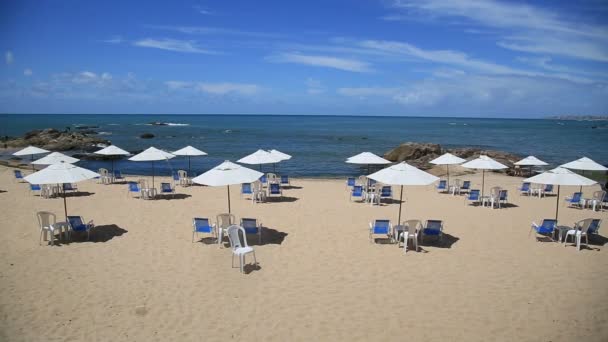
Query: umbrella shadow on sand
[[78, 194], [102, 233], [281, 199], [172, 197], [447, 241]]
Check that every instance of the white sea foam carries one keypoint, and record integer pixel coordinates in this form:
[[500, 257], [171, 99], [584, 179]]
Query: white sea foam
[[105, 133]]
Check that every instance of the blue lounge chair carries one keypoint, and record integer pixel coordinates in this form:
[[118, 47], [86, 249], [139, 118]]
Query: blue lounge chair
[[166, 188], [548, 189], [371, 182], [574, 200], [77, 225], [473, 196], [18, 175], [36, 187], [466, 187], [432, 228], [201, 225], [246, 189], [274, 190], [357, 191], [134, 188], [442, 186], [263, 179], [524, 189], [69, 187], [380, 227], [252, 227], [547, 228], [594, 227], [118, 175], [502, 198], [285, 180], [386, 192], [350, 182]]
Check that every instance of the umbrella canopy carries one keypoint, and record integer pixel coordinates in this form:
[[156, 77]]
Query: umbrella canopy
[[112, 150], [228, 173], [531, 161], [447, 159], [30, 151], [260, 157], [60, 173], [584, 164], [403, 174], [366, 158], [484, 163], [281, 155], [152, 154], [189, 151], [560, 176], [54, 158]]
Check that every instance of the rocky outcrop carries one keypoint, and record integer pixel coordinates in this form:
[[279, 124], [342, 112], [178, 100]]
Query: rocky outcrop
[[420, 154], [146, 136], [55, 140]]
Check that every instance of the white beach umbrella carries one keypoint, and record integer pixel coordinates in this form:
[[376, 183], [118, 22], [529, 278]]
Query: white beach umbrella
[[189, 151], [260, 157], [531, 161], [584, 164], [484, 163], [367, 158], [61, 173], [447, 159], [227, 173], [53, 158], [280, 155], [403, 174], [560, 176], [112, 150], [152, 154], [30, 151]]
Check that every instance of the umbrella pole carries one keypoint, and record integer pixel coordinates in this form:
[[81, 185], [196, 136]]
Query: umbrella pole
[[228, 188], [112, 171], [153, 173], [65, 206], [483, 178], [189, 174], [400, 201], [33, 169], [447, 166], [557, 204]]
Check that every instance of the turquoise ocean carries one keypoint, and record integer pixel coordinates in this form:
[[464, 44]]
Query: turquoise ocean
[[320, 144]]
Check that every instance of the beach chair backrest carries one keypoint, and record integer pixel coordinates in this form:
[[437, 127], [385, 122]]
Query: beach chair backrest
[[576, 197], [35, 187], [466, 185], [495, 190], [412, 226], [175, 176], [76, 222], [362, 180], [474, 195], [234, 237], [263, 179], [275, 188], [381, 226], [250, 225], [182, 174], [350, 181], [502, 195], [457, 182], [257, 185], [442, 184], [18, 174], [357, 190], [46, 218], [548, 225], [142, 183], [284, 179], [246, 188], [548, 188], [525, 186], [387, 191], [594, 226], [271, 177], [165, 187], [134, 187], [225, 220], [201, 225], [434, 225], [599, 195]]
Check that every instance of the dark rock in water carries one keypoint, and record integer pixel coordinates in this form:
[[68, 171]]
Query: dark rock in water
[[55, 140], [93, 156], [146, 136], [420, 154]]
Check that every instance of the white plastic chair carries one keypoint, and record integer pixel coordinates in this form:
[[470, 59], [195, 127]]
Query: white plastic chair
[[222, 222], [46, 220], [238, 249], [413, 226], [579, 231]]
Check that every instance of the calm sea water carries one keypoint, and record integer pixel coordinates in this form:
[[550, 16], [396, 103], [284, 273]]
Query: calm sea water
[[320, 144]]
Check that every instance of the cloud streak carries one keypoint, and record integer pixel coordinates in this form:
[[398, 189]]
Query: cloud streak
[[175, 45], [344, 64], [220, 88]]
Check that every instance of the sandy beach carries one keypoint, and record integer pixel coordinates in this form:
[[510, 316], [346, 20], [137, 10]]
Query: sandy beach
[[140, 278]]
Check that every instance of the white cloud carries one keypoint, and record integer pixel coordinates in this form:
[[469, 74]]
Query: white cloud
[[114, 40], [364, 92], [525, 27], [344, 64], [220, 88], [202, 10], [207, 30], [8, 57], [106, 76], [188, 46], [27, 72]]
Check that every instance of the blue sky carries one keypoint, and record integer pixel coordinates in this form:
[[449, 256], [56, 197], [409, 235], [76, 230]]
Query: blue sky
[[424, 58]]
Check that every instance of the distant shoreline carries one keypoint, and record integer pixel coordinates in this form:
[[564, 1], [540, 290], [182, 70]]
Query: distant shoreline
[[579, 117]]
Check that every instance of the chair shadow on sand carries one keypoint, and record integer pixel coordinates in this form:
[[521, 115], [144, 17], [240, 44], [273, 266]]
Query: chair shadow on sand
[[447, 241], [101, 233], [171, 197], [270, 236], [281, 199], [76, 194]]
